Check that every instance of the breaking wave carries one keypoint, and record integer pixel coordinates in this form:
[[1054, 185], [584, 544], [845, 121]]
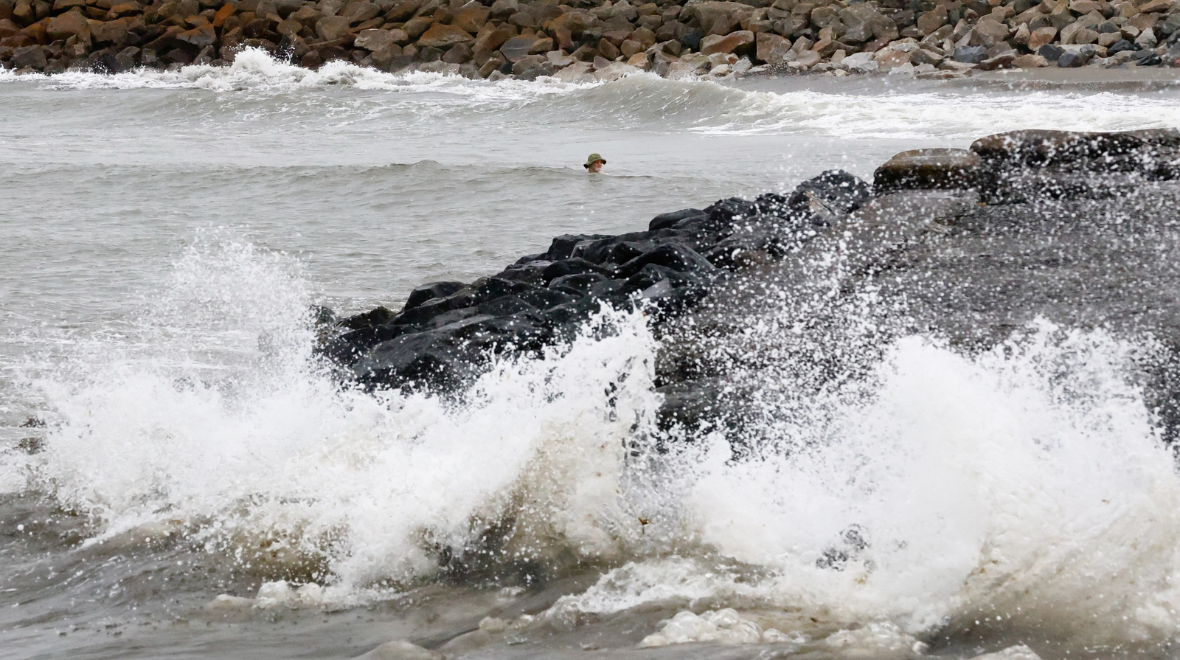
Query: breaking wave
[[909, 110], [1023, 491]]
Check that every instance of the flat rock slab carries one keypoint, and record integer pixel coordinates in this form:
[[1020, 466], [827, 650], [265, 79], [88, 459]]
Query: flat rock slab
[[928, 169]]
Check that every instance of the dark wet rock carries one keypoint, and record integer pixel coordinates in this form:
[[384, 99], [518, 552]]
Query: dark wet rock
[[1075, 58], [448, 331], [1050, 52], [32, 57], [1057, 164], [669, 220], [432, 291], [973, 245], [834, 191]]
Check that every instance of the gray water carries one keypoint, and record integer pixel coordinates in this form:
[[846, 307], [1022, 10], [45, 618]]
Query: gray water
[[164, 233]]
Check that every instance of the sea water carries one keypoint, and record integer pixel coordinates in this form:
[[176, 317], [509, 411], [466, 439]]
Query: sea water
[[180, 475]]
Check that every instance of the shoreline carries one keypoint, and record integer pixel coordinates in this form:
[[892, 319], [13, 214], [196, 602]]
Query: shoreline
[[936, 39]]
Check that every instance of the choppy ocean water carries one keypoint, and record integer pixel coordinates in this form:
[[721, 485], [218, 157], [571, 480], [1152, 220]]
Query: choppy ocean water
[[165, 233]]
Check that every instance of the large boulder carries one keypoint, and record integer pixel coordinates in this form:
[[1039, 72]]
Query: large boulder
[[374, 40], [720, 18], [69, 24], [331, 28], [733, 42], [928, 169], [31, 57], [444, 36], [865, 23]]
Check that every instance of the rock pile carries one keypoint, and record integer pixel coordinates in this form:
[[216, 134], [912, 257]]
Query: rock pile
[[447, 330], [1077, 228], [589, 39]]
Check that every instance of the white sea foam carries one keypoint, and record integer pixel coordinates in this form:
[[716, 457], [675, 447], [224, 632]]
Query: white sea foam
[[702, 106], [262, 448], [1025, 487]]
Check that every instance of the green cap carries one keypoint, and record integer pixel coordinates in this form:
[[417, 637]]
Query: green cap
[[592, 159]]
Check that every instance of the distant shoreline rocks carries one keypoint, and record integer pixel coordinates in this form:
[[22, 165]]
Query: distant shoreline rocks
[[592, 40]]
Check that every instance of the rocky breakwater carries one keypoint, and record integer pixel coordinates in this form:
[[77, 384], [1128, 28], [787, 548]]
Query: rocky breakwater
[[447, 331], [970, 245], [590, 40]]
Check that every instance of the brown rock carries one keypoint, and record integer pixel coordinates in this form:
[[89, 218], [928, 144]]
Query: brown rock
[[527, 62], [458, 54], [1081, 7], [932, 20], [494, 63], [867, 22], [373, 40], [928, 169], [257, 28], [8, 28], [225, 12], [443, 36], [990, 32], [311, 60], [1031, 61], [23, 12], [383, 59], [402, 11], [109, 31], [1022, 35], [331, 28], [576, 22], [630, 47], [491, 40], [605, 49], [165, 41], [1085, 36], [37, 32], [726, 44], [200, 37], [889, 58], [923, 56], [288, 27], [1156, 6], [719, 18], [417, 26], [66, 25], [16, 41], [822, 17], [359, 12], [644, 36], [639, 61], [62, 5], [1002, 61], [771, 48], [805, 60], [470, 19], [1141, 21], [1040, 37]]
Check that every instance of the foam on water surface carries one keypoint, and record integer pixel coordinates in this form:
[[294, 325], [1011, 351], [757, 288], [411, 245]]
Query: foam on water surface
[[835, 109], [1021, 492], [1025, 486]]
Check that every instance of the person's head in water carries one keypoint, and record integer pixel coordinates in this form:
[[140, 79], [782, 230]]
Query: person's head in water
[[594, 163]]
